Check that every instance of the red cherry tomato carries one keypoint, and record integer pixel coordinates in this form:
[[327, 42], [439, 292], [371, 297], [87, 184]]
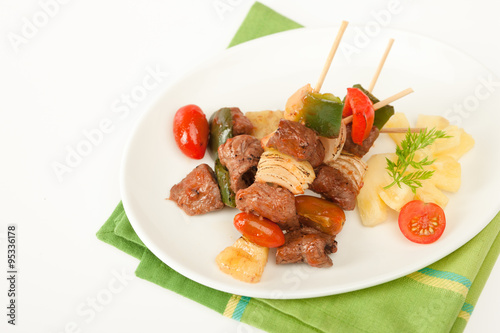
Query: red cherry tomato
[[360, 106], [422, 222], [191, 131], [320, 214], [259, 230]]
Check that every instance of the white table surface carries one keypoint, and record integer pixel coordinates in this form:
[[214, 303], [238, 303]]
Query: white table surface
[[66, 77]]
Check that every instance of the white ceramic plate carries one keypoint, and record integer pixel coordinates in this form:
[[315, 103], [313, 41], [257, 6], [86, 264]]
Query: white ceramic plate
[[261, 75]]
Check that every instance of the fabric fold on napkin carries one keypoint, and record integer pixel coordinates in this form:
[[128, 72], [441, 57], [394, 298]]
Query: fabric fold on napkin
[[437, 298]]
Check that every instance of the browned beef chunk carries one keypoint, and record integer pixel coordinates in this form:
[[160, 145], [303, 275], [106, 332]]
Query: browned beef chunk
[[240, 155], [198, 192], [294, 139], [335, 186], [269, 201], [241, 124], [307, 245], [354, 148]]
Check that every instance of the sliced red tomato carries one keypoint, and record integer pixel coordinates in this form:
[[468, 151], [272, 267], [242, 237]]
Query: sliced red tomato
[[259, 230], [360, 107], [320, 214], [422, 222], [191, 131]]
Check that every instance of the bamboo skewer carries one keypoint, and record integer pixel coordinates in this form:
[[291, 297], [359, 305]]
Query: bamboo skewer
[[378, 105], [402, 130], [391, 99], [333, 50], [383, 103], [380, 65]]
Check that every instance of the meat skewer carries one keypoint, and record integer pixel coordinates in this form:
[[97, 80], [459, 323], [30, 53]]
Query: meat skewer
[[295, 151]]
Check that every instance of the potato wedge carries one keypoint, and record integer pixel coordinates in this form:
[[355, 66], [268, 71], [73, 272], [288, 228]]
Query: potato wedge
[[466, 142], [397, 120], [430, 193], [264, 122], [371, 208], [447, 173], [442, 146], [244, 261], [396, 197], [427, 121]]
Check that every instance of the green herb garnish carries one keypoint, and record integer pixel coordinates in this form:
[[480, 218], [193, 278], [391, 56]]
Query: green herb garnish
[[406, 154]]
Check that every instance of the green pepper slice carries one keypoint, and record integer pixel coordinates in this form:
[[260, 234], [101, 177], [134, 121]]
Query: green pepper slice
[[222, 175], [383, 114], [323, 113], [221, 129]]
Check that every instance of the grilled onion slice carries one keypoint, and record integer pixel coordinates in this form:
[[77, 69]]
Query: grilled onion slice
[[353, 167], [295, 104], [333, 147], [284, 170]]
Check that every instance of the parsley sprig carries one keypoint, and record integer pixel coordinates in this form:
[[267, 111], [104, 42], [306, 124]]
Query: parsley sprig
[[406, 154]]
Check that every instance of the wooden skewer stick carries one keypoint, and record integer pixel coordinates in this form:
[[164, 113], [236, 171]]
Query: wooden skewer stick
[[380, 65], [402, 130], [333, 50], [383, 103], [393, 98]]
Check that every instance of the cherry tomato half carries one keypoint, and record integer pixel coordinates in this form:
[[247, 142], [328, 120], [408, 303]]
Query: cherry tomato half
[[320, 214], [422, 222], [259, 230], [191, 131], [360, 106]]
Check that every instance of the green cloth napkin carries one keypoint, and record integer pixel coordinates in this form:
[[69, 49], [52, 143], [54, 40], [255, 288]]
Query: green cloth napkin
[[438, 298]]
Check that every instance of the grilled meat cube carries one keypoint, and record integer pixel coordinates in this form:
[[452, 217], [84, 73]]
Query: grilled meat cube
[[294, 139], [241, 124], [270, 201], [354, 148], [307, 245], [240, 155], [335, 186], [198, 192]]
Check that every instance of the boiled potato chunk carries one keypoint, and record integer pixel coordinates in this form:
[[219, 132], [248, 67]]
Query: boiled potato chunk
[[396, 197], [244, 260], [371, 208], [443, 145], [430, 193], [264, 122], [427, 121], [447, 173], [465, 143], [397, 120]]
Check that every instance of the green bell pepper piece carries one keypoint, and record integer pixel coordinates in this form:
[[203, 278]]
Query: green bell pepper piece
[[383, 114], [221, 129], [228, 197], [323, 113]]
